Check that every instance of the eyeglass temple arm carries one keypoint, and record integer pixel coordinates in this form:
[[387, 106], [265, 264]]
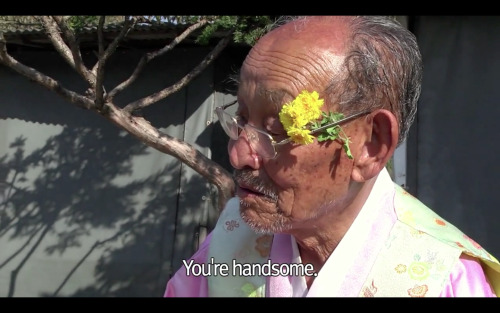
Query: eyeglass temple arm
[[339, 121], [285, 141]]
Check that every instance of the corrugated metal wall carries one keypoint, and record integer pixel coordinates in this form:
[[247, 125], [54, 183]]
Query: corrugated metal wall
[[88, 210]]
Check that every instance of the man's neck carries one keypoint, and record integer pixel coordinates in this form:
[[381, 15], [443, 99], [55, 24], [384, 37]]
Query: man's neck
[[317, 242]]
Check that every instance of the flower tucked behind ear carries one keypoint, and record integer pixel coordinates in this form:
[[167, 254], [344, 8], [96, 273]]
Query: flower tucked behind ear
[[303, 114]]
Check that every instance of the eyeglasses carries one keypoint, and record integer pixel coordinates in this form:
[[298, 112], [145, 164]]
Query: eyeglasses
[[260, 141]]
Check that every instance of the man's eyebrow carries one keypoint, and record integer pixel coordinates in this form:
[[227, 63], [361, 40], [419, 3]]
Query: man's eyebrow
[[274, 96]]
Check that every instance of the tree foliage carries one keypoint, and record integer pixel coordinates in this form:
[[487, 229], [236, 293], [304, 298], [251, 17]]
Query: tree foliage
[[78, 22]]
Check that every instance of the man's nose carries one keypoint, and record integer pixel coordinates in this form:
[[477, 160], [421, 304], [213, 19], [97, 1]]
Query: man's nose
[[241, 153]]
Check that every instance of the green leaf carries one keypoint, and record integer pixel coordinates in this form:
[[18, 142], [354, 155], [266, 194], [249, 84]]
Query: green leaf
[[347, 149], [332, 133]]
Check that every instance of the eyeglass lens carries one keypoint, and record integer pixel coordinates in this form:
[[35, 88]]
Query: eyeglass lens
[[259, 142]]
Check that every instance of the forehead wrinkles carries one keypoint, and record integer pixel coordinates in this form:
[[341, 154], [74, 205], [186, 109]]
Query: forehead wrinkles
[[288, 71]]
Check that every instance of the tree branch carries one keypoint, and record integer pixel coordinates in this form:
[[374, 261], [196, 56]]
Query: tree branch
[[148, 57], [105, 54], [137, 126], [142, 129], [178, 39], [53, 33], [41, 78], [99, 72], [75, 49], [100, 38], [146, 101]]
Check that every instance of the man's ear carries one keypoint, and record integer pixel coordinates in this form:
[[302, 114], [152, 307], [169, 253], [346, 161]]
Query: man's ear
[[377, 147]]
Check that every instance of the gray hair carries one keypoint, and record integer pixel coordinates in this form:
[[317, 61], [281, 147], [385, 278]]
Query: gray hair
[[383, 69]]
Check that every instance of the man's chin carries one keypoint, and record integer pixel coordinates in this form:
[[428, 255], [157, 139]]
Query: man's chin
[[270, 225]]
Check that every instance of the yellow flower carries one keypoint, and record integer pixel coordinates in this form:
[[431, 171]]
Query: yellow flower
[[302, 115], [299, 113], [299, 135]]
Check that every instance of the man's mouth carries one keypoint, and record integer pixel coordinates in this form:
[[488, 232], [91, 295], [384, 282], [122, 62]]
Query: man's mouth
[[245, 190], [250, 185], [249, 190]]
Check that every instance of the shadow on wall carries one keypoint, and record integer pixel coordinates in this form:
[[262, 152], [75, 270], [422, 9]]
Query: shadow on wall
[[75, 220], [86, 210]]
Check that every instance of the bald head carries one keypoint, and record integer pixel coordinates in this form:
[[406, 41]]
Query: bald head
[[303, 54], [316, 32]]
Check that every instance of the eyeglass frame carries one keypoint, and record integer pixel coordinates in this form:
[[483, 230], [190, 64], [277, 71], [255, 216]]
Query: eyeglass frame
[[221, 110]]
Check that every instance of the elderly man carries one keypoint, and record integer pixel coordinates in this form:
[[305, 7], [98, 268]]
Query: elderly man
[[323, 102]]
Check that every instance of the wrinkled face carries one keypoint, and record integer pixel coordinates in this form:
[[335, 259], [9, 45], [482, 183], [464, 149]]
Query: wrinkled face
[[303, 183]]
